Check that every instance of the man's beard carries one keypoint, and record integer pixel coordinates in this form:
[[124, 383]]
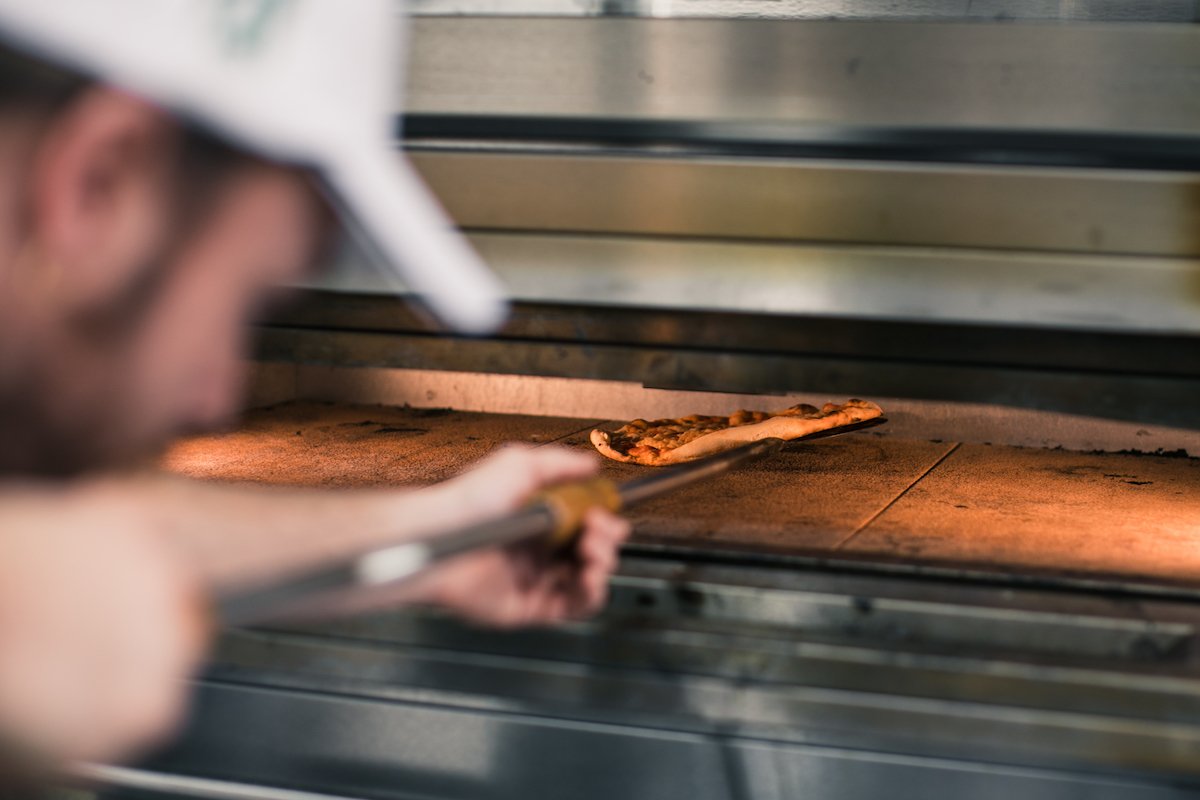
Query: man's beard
[[49, 429], [43, 436], [36, 442]]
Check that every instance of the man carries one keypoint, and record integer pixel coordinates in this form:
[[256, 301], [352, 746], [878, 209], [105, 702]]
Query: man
[[133, 250]]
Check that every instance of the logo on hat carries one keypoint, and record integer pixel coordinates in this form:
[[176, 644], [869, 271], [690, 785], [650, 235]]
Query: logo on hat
[[244, 25]]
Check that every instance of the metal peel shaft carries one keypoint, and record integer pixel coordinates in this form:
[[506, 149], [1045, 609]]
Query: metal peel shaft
[[554, 516]]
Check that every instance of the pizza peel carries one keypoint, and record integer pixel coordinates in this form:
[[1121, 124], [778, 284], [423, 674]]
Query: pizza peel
[[554, 516]]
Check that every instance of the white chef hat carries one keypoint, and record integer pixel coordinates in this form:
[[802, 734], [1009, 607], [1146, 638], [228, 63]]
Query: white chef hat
[[313, 83]]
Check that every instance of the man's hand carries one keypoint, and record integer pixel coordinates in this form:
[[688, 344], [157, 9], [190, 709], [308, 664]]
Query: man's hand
[[523, 584], [527, 584], [100, 626]]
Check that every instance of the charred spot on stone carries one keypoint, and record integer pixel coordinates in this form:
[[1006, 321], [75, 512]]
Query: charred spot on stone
[[1145, 649], [1180, 453], [424, 413], [689, 597]]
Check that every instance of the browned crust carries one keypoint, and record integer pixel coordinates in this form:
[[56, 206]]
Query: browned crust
[[601, 439], [675, 441]]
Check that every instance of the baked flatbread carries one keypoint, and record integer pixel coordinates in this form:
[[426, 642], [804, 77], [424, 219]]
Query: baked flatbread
[[675, 441]]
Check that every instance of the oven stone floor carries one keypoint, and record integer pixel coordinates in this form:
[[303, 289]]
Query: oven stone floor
[[863, 495]]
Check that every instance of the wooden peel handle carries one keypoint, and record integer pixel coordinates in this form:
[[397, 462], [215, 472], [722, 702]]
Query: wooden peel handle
[[570, 502]]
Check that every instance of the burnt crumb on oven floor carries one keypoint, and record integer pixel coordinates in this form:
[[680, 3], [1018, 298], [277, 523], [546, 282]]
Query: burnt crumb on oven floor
[[427, 413], [1159, 453], [863, 495]]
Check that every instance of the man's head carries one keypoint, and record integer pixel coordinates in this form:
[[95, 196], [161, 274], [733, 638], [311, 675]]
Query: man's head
[[133, 251]]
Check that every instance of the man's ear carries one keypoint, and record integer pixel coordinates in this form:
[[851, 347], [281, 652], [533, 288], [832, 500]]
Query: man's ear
[[99, 208]]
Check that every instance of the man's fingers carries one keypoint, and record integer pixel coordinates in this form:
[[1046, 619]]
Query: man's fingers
[[593, 582], [537, 469], [543, 602], [554, 603], [607, 529], [556, 464], [542, 465], [604, 533], [525, 584], [598, 551], [509, 477]]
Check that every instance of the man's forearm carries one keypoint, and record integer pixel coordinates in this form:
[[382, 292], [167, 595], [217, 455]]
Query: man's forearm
[[235, 535], [231, 537]]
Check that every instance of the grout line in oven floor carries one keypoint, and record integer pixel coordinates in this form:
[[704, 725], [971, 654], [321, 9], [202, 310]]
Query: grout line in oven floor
[[587, 427], [896, 499]]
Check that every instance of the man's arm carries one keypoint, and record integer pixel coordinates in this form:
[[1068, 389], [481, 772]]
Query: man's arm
[[237, 536], [101, 622], [102, 584]]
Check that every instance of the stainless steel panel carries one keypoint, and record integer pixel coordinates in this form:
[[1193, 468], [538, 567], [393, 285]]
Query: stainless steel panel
[[786, 772], [1000, 10], [907, 703], [1121, 657], [532, 326], [724, 681], [675, 653], [1109, 211], [928, 621], [389, 750], [1115, 293], [386, 750], [1099, 78], [1068, 291], [117, 780]]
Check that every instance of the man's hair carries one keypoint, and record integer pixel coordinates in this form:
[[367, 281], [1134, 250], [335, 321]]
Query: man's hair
[[28, 83], [31, 83]]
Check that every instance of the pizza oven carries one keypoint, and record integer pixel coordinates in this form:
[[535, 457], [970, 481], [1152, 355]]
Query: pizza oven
[[982, 216]]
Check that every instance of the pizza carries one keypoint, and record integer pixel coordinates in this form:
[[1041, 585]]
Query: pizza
[[673, 441]]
